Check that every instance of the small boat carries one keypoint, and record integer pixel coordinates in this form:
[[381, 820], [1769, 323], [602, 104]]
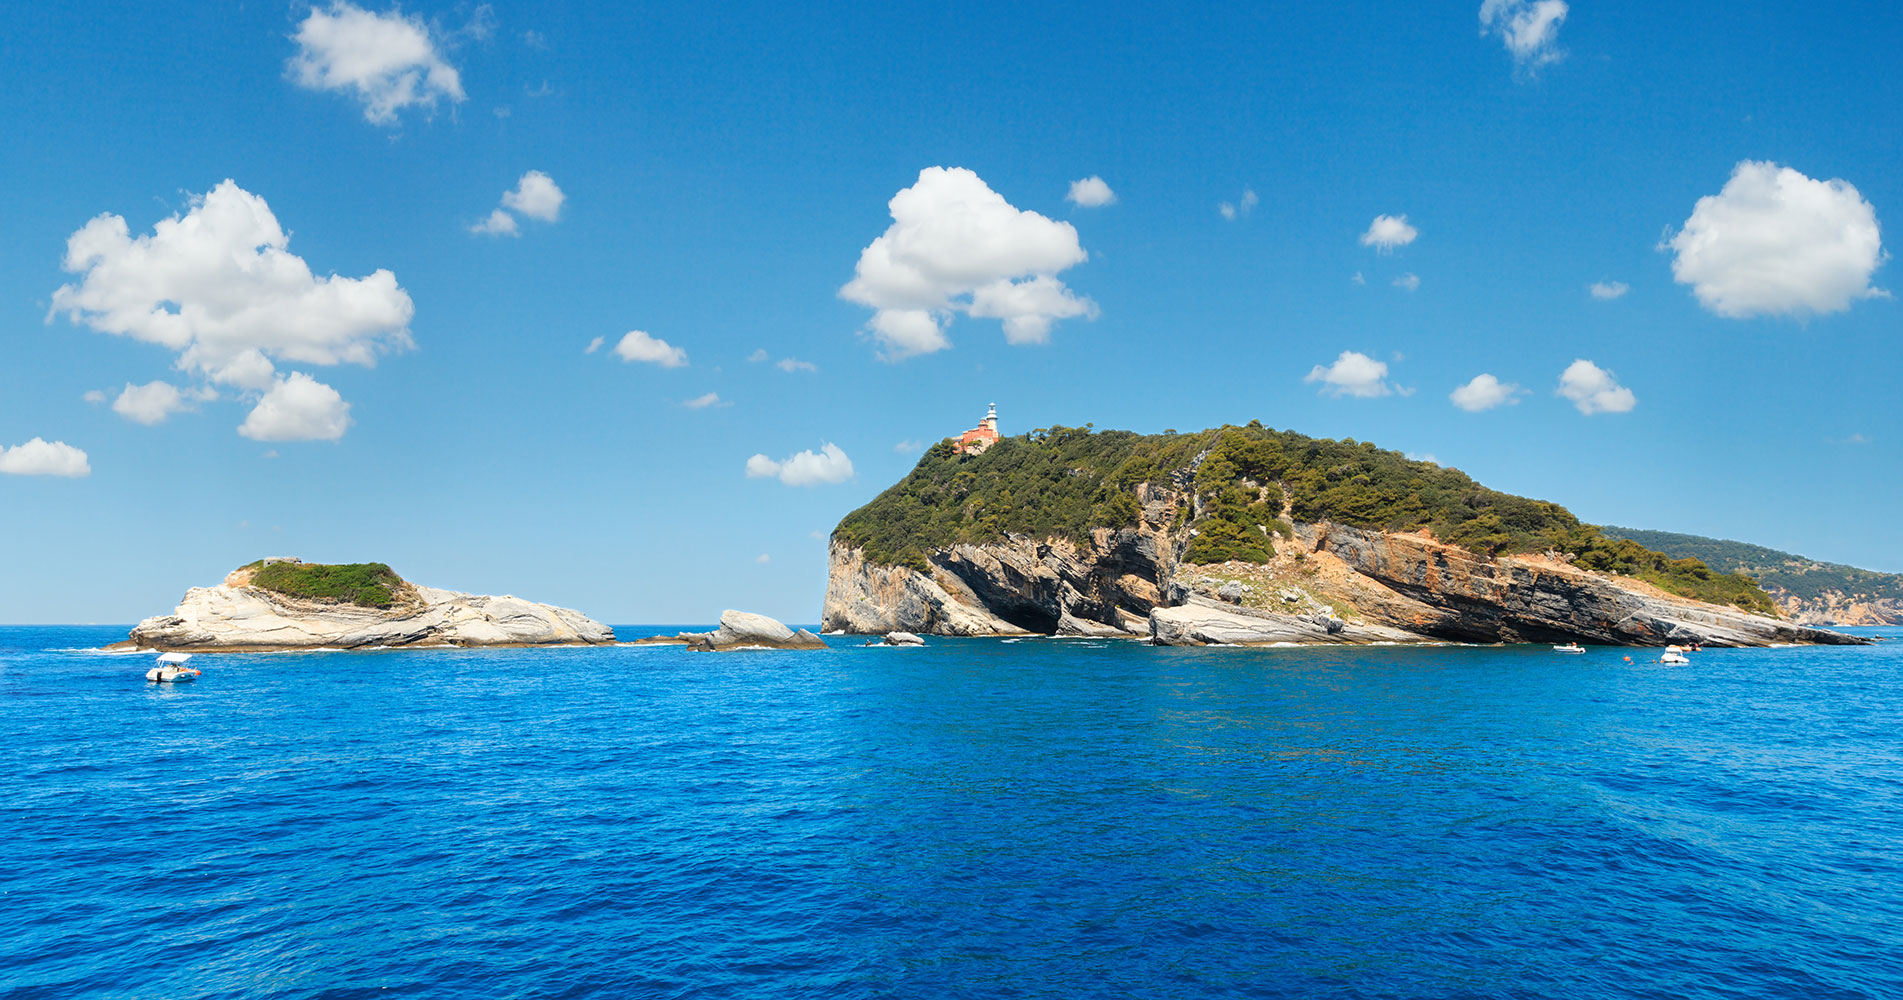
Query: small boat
[[1571, 647], [170, 668], [1674, 659]]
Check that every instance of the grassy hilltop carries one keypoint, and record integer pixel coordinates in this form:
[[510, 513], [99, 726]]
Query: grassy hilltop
[[368, 585], [1060, 482]]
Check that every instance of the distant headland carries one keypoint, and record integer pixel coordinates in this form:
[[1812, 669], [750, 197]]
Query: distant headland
[[1248, 535]]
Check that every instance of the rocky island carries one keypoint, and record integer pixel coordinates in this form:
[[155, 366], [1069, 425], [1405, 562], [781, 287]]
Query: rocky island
[[276, 604], [1247, 535]]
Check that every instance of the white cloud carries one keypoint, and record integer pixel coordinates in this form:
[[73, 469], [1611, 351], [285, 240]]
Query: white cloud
[[150, 403], [1608, 290], [1352, 374], [387, 61], [38, 457], [957, 246], [536, 196], [1358, 279], [1242, 207], [795, 365], [703, 402], [94, 396], [763, 559], [1774, 242], [1387, 232], [1423, 457], [828, 465], [759, 354], [908, 447], [1594, 389], [218, 285], [1528, 28], [638, 346], [499, 223], [1409, 281], [298, 408], [1091, 192], [1484, 392], [594, 345]]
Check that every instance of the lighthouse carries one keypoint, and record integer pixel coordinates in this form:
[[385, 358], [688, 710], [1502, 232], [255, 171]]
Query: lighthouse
[[976, 440]]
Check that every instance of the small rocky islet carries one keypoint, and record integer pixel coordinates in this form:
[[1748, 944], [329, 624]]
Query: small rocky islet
[[283, 603]]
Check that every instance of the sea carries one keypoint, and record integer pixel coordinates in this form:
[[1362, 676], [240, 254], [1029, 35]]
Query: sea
[[976, 818]]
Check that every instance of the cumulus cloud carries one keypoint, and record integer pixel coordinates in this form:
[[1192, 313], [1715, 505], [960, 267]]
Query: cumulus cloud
[[594, 345], [95, 395], [219, 286], [1387, 232], [1608, 290], [638, 346], [1091, 192], [150, 403], [828, 465], [759, 354], [1352, 374], [388, 62], [957, 246], [40, 457], [499, 223], [795, 365], [703, 402], [1774, 242], [1528, 28], [1594, 389], [1241, 207], [536, 196], [298, 408], [907, 447], [763, 558], [1484, 392], [1409, 281]]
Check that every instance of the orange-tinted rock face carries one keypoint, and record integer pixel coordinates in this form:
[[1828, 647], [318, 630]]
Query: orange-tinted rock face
[[1329, 584]]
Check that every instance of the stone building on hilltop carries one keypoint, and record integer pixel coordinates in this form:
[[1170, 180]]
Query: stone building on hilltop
[[976, 440]]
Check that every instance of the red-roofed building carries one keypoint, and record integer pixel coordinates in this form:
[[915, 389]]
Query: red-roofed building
[[976, 440]]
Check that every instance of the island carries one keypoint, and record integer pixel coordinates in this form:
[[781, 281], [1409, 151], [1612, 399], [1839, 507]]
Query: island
[[1251, 536], [283, 603]]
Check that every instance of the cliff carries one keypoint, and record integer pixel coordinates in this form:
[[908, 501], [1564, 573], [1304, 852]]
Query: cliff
[[1806, 590], [240, 615], [1219, 541]]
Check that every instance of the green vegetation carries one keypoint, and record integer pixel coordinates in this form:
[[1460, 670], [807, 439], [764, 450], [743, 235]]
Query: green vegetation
[[1060, 482], [1800, 577], [369, 585]]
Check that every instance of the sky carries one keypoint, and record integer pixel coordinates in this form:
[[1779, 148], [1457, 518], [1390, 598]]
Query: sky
[[623, 309]]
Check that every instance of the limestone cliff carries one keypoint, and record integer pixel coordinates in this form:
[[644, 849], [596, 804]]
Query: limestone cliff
[[238, 616], [1282, 579]]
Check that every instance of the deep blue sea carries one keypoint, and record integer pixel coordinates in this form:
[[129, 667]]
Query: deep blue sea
[[978, 818]]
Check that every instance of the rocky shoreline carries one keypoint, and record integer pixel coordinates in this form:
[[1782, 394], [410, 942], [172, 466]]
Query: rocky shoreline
[[1329, 584]]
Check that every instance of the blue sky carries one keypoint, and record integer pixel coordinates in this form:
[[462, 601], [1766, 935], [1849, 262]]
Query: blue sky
[[722, 168]]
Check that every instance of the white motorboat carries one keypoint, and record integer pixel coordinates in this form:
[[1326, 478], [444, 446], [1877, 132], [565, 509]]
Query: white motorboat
[[1571, 647], [1674, 659], [171, 668]]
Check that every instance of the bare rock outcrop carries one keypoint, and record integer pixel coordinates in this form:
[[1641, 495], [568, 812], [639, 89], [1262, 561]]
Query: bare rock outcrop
[[238, 617], [743, 630]]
